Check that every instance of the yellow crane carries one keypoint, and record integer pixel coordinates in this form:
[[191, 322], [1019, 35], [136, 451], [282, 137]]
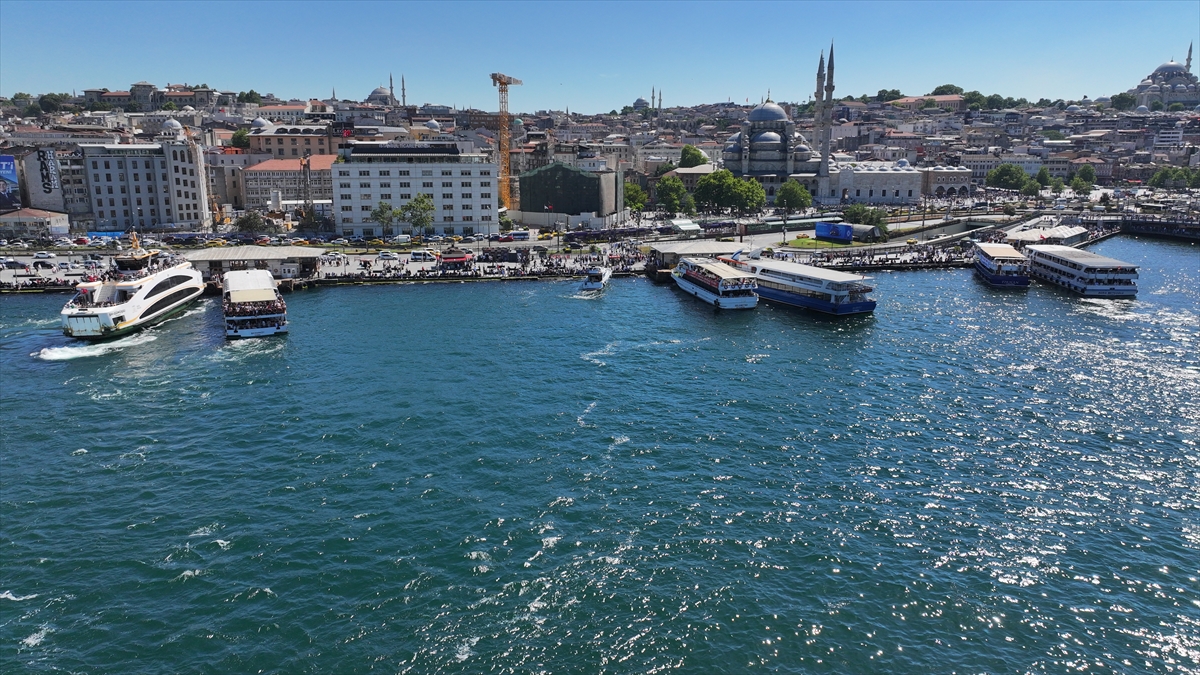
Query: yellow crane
[[502, 146]]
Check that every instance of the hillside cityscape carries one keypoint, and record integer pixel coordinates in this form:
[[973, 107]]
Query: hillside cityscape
[[196, 158]]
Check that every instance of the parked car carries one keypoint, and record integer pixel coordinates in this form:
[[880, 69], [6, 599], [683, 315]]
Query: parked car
[[43, 255], [340, 242], [388, 255], [42, 265], [505, 238], [375, 243]]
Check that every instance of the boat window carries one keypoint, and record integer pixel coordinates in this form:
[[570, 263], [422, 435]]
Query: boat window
[[168, 283], [171, 299]]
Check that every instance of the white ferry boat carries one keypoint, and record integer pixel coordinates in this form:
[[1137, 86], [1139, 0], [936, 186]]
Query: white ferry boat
[[252, 304], [144, 288], [815, 288], [1083, 272], [596, 279], [1001, 265], [716, 283]]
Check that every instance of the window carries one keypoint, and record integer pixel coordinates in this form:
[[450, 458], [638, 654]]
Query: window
[[485, 195], [365, 185], [97, 189], [466, 195], [364, 173], [137, 176], [910, 193], [405, 195], [385, 185], [447, 183], [295, 141], [447, 195], [466, 207], [467, 218], [485, 172], [465, 172], [99, 202], [402, 173], [386, 195], [348, 233], [95, 164], [106, 164], [346, 197], [368, 232], [484, 207], [447, 172], [465, 183], [347, 207], [343, 173], [447, 207], [366, 197], [485, 217], [404, 184], [110, 189], [308, 141], [424, 172], [365, 207], [449, 219], [95, 178], [385, 172], [344, 185], [108, 177], [427, 184]]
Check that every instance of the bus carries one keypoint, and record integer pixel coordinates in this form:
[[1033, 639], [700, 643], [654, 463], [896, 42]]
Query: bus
[[520, 235]]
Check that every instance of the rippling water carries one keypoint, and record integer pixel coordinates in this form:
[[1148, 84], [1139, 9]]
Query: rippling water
[[515, 478]]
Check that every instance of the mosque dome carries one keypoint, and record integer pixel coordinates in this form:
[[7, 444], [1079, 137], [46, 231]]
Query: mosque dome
[[1181, 88], [802, 149], [1103, 99], [259, 123], [1170, 68], [380, 91], [1154, 89], [736, 138], [768, 112], [172, 125], [1142, 109], [902, 163], [1073, 108], [188, 108], [766, 137], [1197, 109], [517, 122], [641, 102], [433, 124]]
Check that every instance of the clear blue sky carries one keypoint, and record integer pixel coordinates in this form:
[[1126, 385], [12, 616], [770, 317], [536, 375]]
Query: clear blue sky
[[593, 57]]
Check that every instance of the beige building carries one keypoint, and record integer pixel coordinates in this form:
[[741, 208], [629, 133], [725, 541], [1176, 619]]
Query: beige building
[[34, 224], [287, 177], [946, 181], [292, 141]]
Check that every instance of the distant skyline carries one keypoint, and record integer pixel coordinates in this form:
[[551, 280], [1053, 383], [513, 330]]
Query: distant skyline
[[593, 57]]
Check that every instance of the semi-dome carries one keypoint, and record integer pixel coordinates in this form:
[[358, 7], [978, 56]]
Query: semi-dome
[[736, 138], [188, 108], [765, 137], [433, 124], [1103, 99], [260, 123], [1073, 108], [1170, 68], [802, 149], [768, 112], [173, 125], [1141, 109]]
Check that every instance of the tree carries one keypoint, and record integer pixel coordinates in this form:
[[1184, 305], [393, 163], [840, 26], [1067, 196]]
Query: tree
[[1087, 173], [1175, 107], [946, 90], [99, 105], [132, 106], [249, 97], [994, 102], [1006, 176], [670, 194], [21, 96], [692, 156], [689, 205], [750, 197], [506, 223], [1079, 186], [251, 223], [886, 95], [385, 215], [1155, 106], [635, 196], [664, 168], [170, 105], [32, 110], [864, 215], [1057, 186], [792, 196], [1043, 177], [1124, 101], [1031, 188], [716, 191], [418, 213], [1053, 135], [241, 139], [51, 103], [974, 98], [1010, 210]]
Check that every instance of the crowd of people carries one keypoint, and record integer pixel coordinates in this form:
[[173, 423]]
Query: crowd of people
[[490, 263], [254, 308]]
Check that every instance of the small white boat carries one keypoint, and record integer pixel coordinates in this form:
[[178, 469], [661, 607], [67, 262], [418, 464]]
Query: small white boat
[[597, 278], [716, 283], [252, 304]]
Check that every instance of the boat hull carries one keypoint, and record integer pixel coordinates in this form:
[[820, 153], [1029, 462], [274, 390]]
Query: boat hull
[[237, 334], [94, 331], [804, 302], [1001, 280], [718, 301], [1085, 290]]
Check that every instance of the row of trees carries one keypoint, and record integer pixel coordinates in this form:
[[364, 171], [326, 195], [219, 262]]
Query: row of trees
[[1013, 177], [1175, 177], [418, 213]]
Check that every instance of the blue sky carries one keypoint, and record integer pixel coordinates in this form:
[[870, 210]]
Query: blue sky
[[593, 56]]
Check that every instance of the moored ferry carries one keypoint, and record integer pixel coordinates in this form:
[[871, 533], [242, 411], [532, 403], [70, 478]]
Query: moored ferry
[[252, 304], [1001, 265], [1086, 273], [815, 288], [143, 288], [716, 283]]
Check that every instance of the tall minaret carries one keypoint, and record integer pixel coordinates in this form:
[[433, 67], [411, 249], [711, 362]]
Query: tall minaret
[[391, 90], [828, 123], [403, 94], [1188, 65], [819, 112]]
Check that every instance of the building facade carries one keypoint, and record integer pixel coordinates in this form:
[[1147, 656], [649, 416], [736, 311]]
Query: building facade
[[286, 176], [139, 186], [291, 140], [461, 182]]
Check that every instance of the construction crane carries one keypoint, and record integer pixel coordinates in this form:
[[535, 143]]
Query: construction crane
[[502, 146]]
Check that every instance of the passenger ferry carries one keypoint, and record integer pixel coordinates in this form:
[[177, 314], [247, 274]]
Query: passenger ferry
[[1001, 265], [716, 283], [143, 288], [597, 278], [815, 288], [252, 304], [1083, 272]]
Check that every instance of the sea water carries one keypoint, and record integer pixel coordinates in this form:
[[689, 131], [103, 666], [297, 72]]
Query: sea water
[[519, 478]]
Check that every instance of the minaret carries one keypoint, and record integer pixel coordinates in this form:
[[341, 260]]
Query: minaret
[[333, 93], [403, 94], [1188, 65], [391, 90], [828, 132], [819, 113]]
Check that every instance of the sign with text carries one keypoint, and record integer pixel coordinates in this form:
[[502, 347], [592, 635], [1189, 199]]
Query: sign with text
[[10, 187], [842, 233]]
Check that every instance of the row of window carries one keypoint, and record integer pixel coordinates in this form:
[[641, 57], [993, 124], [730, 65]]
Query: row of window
[[307, 141], [404, 184], [133, 164], [389, 231], [367, 232], [405, 172], [366, 197]]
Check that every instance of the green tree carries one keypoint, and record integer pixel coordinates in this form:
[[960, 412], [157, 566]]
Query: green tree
[[1079, 186], [994, 102], [929, 103], [1155, 106], [1124, 101], [671, 192], [1006, 176], [946, 90], [249, 97], [1010, 210], [792, 196], [886, 95], [750, 197], [1087, 173], [132, 106], [251, 223], [1057, 186], [689, 205], [1053, 135], [1175, 107], [1031, 188], [32, 110], [635, 196], [692, 157], [385, 215], [22, 96], [99, 105], [716, 191], [51, 103], [1043, 177], [506, 223], [664, 168], [241, 139], [418, 213], [170, 105], [864, 215], [974, 98]]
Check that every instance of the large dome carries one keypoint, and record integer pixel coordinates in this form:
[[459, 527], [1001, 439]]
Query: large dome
[[1170, 68], [768, 112], [380, 91]]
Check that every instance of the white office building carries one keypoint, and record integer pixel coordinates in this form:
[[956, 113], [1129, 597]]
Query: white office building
[[462, 183], [138, 186]]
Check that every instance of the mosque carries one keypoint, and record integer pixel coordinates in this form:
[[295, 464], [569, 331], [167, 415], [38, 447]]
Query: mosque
[[1169, 83], [770, 150]]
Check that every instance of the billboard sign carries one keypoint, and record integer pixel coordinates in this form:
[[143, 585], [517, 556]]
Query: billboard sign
[[10, 187], [842, 233], [48, 172]]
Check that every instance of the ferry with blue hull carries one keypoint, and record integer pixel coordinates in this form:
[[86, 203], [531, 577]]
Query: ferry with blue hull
[[1001, 266], [814, 288]]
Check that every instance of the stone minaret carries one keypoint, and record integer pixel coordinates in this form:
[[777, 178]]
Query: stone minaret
[[1188, 65], [827, 123]]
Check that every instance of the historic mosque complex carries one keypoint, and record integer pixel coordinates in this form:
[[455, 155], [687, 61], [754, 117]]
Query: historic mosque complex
[[1169, 83]]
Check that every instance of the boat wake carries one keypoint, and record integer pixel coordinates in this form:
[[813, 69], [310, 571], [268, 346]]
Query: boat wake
[[69, 352]]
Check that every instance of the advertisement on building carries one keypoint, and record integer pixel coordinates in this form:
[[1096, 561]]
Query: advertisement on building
[[10, 187], [42, 180], [842, 233]]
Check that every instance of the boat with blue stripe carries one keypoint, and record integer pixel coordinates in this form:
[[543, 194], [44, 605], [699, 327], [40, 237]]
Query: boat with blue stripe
[[1001, 266], [815, 288]]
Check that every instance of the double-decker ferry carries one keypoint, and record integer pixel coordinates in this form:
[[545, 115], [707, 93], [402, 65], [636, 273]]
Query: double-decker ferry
[[716, 283], [252, 304], [1083, 272], [143, 288], [1001, 265], [815, 288]]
